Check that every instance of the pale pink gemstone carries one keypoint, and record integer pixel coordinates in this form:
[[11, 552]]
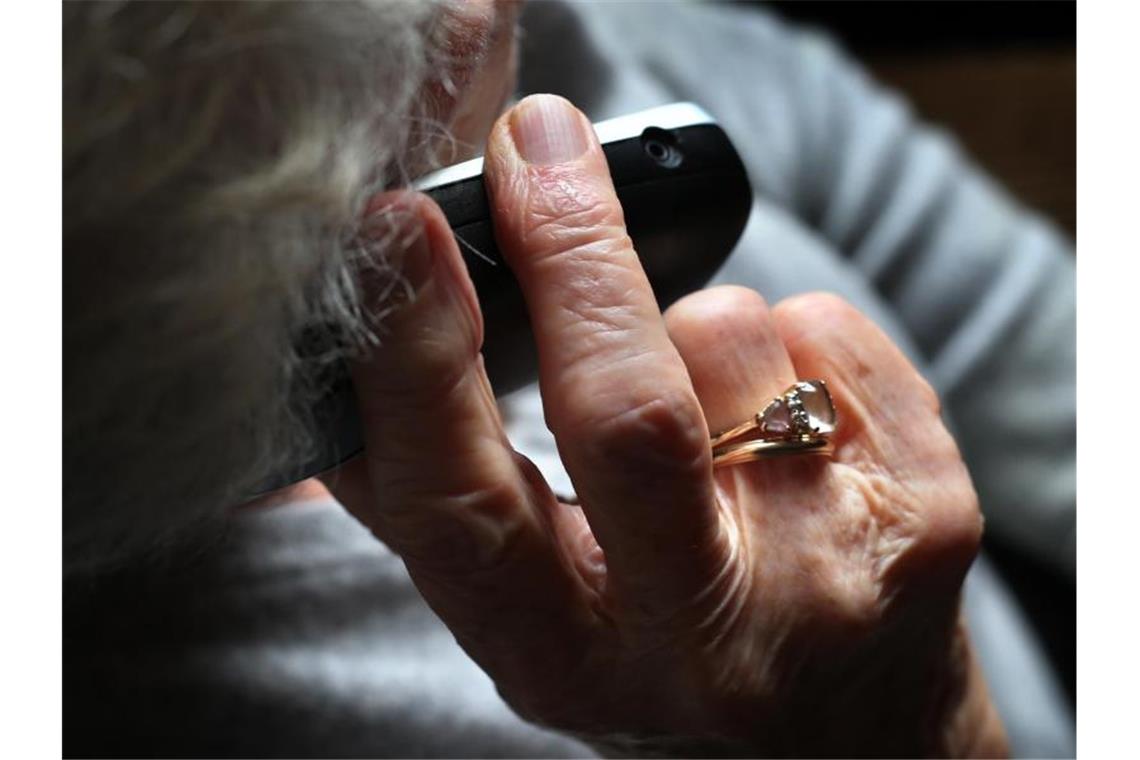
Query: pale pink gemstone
[[777, 419], [817, 403]]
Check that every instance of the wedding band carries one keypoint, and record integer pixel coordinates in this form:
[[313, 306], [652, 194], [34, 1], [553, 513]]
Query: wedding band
[[750, 451], [798, 421]]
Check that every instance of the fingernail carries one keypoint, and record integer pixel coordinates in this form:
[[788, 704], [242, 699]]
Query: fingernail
[[548, 130]]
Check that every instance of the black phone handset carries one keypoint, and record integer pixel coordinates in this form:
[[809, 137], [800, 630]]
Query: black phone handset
[[686, 199]]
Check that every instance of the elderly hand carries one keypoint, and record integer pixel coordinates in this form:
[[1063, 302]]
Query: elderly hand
[[801, 605]]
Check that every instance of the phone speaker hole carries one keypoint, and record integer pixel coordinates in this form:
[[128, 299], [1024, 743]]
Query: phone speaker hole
[[661, 146]]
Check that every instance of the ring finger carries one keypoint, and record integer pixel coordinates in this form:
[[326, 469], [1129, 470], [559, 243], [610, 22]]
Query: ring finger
[[733, 353]]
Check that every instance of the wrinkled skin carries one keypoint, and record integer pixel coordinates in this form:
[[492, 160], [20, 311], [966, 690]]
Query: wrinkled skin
[[800, 606]]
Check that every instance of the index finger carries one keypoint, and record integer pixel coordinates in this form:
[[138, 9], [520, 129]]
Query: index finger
[[616, 394], [438, 481]]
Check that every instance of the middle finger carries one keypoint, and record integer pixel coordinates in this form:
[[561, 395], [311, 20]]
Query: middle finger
[[616, 393]]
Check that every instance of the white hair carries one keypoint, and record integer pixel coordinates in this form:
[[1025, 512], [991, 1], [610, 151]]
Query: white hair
[[217, 161]]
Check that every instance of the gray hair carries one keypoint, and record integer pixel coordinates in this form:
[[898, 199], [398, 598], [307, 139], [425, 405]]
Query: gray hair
[[217, 161]]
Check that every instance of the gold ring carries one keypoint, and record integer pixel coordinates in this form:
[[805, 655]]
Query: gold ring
[[750, 451], [798, 421]]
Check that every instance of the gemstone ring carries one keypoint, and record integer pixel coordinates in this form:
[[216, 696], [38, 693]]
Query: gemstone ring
[[798, 421]]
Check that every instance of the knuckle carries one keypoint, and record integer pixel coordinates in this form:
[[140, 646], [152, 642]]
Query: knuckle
[[847, 328], [953, 529], [933, 545], [466, 536], [951, 517], [443, 358], [429, 372], [809, 317], [724, 306], [666, 430], [927, 396], [818, 304], [844, 597]]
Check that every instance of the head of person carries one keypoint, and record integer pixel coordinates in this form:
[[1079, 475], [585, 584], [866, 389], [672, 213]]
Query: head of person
[[219, 159]]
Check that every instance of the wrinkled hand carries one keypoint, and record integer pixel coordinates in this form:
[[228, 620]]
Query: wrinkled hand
[[803, 605]]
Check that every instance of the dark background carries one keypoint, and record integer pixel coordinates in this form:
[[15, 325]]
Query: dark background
[[1002, 78]]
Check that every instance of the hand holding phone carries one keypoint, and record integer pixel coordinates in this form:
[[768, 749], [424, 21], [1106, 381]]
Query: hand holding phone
[[689, 610], [685, 197]]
